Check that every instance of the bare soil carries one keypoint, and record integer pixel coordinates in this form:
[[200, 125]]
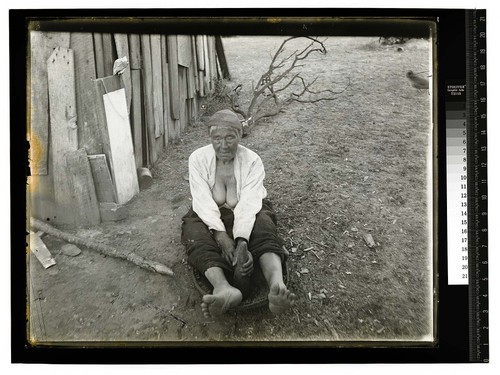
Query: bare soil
[[335, 171]]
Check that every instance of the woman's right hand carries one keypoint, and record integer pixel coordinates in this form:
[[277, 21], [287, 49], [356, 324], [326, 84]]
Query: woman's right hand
[[226, 244]]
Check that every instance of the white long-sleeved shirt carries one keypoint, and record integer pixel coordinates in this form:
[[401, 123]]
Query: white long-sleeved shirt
[[250, 190]]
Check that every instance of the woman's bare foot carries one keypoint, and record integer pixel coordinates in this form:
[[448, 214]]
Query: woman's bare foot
[[221, 300], [280, 298]]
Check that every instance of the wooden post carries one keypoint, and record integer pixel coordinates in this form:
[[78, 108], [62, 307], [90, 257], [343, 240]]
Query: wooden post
[[85, 208], [90, 119], [63, 126], [221, 56]]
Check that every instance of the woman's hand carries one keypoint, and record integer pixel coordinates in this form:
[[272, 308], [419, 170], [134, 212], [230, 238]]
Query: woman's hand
[[244, 259], [226, 244]]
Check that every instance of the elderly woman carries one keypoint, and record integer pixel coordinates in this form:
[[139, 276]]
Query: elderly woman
[[230, 225]]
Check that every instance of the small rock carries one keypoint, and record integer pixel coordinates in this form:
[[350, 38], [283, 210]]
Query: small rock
[[309, 295], [304, 270], [298, 273], [354, 229], [321, 295], [324, 291], [294, 249], [348, 273], [350, 245], [70, 250]]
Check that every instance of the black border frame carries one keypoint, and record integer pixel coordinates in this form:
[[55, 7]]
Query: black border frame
[[452, 308]]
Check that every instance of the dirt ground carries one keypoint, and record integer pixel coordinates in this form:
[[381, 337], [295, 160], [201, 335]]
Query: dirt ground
[[334, 171]]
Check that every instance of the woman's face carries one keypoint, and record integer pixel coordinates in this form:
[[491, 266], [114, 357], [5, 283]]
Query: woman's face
[[225, 142]]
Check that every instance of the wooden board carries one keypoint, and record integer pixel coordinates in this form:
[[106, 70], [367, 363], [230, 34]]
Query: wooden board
[[208, 72], [183, 96], [42, 45], [63, 126], [134, 42], [90, 119], [195, 63], [184, 50], [37, 247], [173, 75], [191, 88], [122, 50], [120, 140], [103, 183], [99, 55], [103, 86], [221, 57], [168, 123], [212, 61], [200, 52], [85, 208], [109, 53], [136, 117], [148, 98], [157, 84]]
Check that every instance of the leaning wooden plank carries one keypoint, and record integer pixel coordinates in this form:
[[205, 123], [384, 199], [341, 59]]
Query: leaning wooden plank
[[37, 247], [168, 123], [63, 128], [103, 182], [221, 57], [103, 86], [120, 140], [147, 66], [122, 50], [99, 55], [200, 52], [184, 50], [81, 184], [108, 53], [101, 248], [157, 84], [173, 70], [134, 42], [90, 119], [136, 117], [42, 44]]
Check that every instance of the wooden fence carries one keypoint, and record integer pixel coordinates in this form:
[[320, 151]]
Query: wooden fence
[[91, 131]]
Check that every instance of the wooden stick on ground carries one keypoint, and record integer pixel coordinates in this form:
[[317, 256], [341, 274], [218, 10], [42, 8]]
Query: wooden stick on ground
[[101, 248]]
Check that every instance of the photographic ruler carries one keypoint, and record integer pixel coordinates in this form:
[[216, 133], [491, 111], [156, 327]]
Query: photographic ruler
[[467, 189]]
